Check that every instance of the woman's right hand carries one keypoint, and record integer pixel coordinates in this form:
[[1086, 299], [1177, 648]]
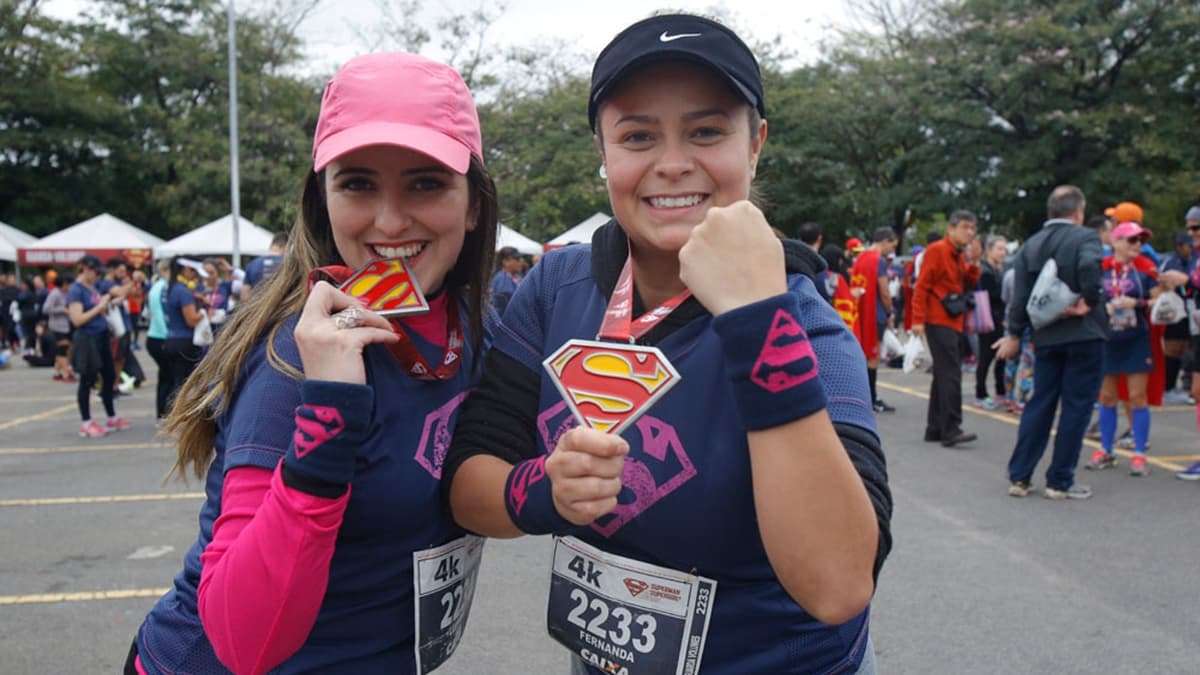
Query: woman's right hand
[[585, 474], [331, 344]]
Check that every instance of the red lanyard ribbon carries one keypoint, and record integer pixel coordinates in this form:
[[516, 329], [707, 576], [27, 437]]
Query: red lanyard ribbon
[[619, 323], [404, 351]]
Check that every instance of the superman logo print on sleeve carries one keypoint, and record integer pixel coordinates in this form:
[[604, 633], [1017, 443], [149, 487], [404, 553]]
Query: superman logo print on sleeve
[[608, 385]]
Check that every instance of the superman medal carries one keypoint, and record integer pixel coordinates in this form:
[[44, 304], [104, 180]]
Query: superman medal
[[609, 385], [388, 288]]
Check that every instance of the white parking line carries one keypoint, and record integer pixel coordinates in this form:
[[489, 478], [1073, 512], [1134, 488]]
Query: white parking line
[[82, 596], [82, 448], [112, 499]]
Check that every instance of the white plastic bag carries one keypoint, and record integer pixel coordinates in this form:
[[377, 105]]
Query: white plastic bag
[[116, 322], [916, 354], [1049, 298], [891, 345], [202, 333], [1167, 309]]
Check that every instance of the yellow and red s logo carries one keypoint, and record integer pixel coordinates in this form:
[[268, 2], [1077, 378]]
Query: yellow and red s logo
[[607, 385]]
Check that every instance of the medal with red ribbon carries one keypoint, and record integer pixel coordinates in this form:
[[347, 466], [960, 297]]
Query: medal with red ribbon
[[389, 288], [609, 385]]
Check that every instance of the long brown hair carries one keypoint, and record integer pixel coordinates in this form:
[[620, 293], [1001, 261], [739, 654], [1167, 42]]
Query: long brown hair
[[207, 393]]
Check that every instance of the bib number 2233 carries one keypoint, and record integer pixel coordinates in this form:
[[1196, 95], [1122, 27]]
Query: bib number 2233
[[625, 616]]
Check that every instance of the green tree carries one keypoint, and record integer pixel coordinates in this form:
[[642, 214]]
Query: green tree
[[55, 128]]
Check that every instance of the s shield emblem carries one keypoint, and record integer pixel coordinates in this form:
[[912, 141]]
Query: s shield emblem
[[387, 287], [608, 385]]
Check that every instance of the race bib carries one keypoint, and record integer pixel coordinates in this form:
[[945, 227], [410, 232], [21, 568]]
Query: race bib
[[624, 616], [444, 585]]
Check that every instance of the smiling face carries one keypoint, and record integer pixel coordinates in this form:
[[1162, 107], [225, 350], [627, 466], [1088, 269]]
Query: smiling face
[[675, 141], [1126, 249], [392, 202]]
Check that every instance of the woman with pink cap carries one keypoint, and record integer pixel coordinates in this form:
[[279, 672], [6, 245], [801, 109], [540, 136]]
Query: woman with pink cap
[[1130, 287], [320, 426]]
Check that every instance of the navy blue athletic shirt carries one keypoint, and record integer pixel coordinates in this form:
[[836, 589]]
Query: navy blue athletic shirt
[[690, 503], [365, 624]]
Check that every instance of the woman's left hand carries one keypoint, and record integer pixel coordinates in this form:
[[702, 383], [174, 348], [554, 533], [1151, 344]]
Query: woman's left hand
[[733, 259], [333, 330]]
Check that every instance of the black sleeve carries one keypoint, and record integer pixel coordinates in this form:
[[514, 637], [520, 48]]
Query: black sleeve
[[498, 418], [1088, 257], [867, 457]]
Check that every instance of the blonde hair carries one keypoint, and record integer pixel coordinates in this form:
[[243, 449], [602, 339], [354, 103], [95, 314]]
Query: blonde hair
[[207, 393]]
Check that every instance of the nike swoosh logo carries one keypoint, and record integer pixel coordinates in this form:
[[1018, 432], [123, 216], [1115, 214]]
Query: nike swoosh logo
[[671, 38]]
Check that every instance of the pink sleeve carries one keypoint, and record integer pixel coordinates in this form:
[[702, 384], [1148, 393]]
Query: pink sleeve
[[265, 571]]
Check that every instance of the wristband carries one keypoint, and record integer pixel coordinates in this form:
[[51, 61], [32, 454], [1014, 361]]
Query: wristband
[[770, 362], [529, 501], [331, 423]]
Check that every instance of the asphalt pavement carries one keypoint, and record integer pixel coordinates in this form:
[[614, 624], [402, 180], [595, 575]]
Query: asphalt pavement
[[977, 582]]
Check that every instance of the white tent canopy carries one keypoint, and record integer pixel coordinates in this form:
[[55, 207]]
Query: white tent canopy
[[10, 239], [216, 238], [509, 237], [581, 233], [104, 235]]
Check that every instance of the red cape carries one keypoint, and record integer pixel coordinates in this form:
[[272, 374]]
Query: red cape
[[843, 301], [906, 286], [865, 275]]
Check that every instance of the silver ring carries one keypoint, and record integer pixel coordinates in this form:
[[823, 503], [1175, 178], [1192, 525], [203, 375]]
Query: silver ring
[[351, 317]]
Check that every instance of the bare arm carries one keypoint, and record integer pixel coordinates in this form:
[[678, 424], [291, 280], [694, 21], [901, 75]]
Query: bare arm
[[477, 497], [80, 316]]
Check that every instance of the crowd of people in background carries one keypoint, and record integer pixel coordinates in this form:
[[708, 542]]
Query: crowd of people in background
[[963, 293], [85, 324]]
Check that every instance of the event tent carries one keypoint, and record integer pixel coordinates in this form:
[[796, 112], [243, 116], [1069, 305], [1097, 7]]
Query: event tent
[[581, 233], [10, 239], [509, 237], [104, 236], [216, 238]]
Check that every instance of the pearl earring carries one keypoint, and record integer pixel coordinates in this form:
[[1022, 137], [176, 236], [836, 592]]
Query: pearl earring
[[603, 172]]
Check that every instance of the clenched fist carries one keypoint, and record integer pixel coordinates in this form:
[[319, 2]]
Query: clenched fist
[[733, 259]]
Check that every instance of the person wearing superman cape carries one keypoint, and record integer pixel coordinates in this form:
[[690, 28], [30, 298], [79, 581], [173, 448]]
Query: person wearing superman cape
[[677, 404]]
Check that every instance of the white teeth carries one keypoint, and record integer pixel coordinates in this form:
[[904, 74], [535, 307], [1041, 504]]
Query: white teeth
[[675, 202], [406, 251]]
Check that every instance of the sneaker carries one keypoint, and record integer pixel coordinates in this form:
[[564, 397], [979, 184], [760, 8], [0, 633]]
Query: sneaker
[[986, 403], [1178, 397], [1190, 473], [1019, 488], [1101, 460], [1126, 442], [1093, 432], [126, 384], [1137, 466], [881, 407], [91, 429], [1076, 491], [117, 424]]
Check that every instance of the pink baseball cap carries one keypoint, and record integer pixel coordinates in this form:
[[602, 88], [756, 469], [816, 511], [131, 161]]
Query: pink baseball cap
[[396, 98], [1130, 230]]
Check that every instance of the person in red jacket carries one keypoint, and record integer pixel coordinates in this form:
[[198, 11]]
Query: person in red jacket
[[939, 305], [869, 285]]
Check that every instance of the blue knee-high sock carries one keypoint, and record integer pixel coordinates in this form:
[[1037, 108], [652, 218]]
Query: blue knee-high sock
[[1141, 429], [1108, 427]]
